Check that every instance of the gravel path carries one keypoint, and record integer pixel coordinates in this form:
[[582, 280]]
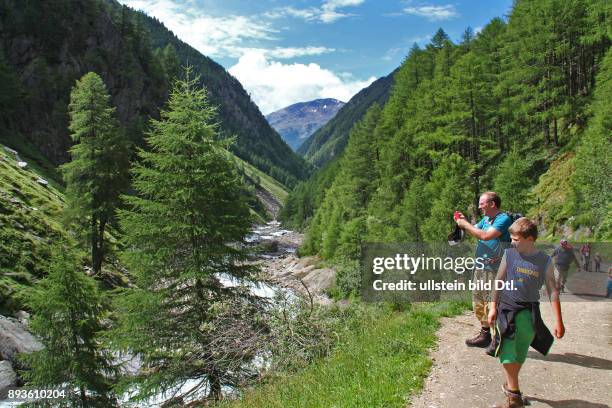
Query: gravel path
[[576, 374]]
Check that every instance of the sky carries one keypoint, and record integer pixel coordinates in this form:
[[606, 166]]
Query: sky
[[289, 51]]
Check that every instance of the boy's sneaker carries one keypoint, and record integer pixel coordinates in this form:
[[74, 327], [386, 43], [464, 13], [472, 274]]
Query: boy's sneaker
[[513, 399], [483, 339]]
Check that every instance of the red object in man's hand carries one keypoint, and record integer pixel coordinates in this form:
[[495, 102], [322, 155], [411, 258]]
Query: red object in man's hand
[[457, 215]]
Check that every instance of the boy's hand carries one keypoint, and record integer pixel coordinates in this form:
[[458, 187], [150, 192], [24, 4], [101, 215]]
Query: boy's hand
[[492, 317], [559, 330]]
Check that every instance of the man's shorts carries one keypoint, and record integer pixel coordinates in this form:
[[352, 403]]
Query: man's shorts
[[481, 297], [514, 350]]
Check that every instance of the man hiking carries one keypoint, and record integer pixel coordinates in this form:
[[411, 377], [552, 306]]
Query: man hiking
[[564, 256], [492, 233]]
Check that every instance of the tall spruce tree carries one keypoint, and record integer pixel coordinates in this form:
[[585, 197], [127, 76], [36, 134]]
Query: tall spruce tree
[[182, 229], [98, 172], [67, 313]]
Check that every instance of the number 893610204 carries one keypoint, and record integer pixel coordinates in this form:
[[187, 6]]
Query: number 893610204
[[33, 394]]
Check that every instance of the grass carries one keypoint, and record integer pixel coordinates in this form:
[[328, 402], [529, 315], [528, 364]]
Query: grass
[[266, 182], [29, 223], [553, 190], [380, 362]]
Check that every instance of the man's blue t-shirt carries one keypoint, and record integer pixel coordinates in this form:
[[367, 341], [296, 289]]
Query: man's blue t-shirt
[[494, 248]]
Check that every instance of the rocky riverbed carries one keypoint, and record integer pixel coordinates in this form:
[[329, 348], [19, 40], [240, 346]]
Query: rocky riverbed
[[279, 264], [284, 268]]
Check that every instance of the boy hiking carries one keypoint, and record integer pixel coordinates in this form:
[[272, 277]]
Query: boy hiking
[[516, 313]]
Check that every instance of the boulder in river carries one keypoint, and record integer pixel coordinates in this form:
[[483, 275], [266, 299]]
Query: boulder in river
[[14, 338], [8, 377]]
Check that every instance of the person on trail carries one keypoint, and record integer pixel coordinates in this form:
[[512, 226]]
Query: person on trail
[[597, 262], [492, 233], [609, 287], [563, 256], [586, 256], [515, 311]]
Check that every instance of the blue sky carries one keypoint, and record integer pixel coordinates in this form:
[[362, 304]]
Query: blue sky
[[285, 52]]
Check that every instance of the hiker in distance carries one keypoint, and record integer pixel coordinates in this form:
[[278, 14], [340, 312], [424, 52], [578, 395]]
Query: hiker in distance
[[493, 237], [564, 256]]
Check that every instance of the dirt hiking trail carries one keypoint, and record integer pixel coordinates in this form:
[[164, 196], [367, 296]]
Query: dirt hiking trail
[[577, 373]]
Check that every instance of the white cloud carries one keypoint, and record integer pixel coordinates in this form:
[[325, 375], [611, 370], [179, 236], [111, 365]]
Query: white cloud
[[433, 13], [392, 53], [274, 85], [212, 36], [219, 36], [327, 13], [305, 14], [291, 52]]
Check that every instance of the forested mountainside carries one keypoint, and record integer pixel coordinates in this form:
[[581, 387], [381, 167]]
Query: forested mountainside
[[295, 123], [256, 141], [521, 108], [46, 46], [330, 140]]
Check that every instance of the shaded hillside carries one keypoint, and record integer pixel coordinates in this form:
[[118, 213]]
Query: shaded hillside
[[330, 140], [300, 120], [46, 46], [257, 142]]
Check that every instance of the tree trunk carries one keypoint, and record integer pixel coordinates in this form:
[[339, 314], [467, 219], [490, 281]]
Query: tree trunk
[[472, 128], [500, 139], [99, 258], [546, 131], [555, 134], [215, 386], [94, 244]]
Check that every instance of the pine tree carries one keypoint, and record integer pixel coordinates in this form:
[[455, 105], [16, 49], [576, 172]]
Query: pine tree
[[440, 39], [449, 190], [98, 172], [67, 313], [183, 230], [512, 182], [414, 209]]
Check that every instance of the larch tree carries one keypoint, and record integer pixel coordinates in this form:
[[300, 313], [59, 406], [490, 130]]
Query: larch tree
[[183, 232], [68, 314], [98, 172]]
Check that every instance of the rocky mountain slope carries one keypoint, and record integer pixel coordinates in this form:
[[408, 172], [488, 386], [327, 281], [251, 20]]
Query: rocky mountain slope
[[300, 120], [330, 140]]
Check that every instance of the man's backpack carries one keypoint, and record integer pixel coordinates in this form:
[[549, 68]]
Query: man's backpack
[[514, 216]]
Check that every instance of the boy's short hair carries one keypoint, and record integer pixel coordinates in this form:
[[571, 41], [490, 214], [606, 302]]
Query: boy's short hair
[[525, 228]]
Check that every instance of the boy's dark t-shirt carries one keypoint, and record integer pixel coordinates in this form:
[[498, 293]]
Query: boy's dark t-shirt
[[528, 273]]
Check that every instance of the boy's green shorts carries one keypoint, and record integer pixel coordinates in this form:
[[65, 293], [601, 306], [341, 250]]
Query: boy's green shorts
[[514, 350]]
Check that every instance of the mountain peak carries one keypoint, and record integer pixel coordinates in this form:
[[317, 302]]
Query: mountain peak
[[298, 121]]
